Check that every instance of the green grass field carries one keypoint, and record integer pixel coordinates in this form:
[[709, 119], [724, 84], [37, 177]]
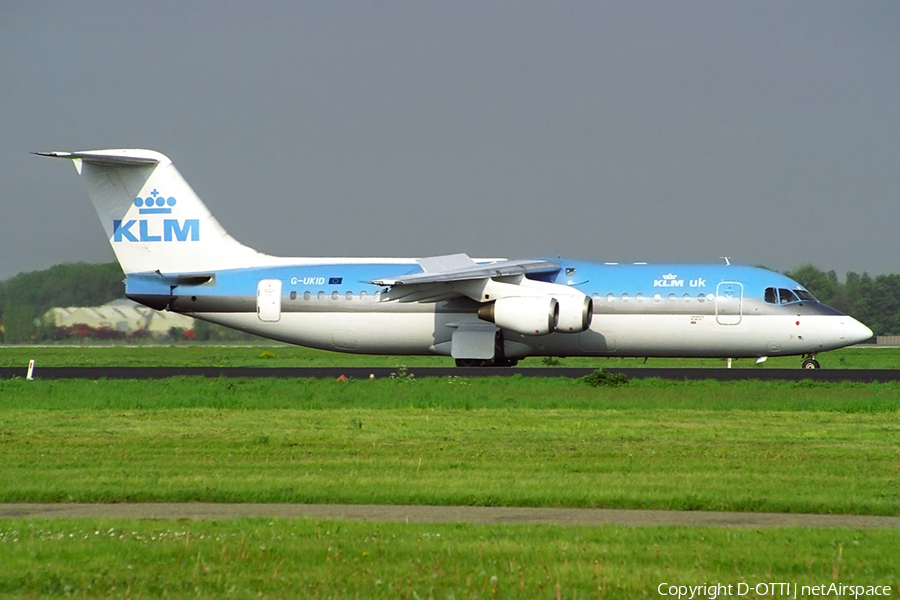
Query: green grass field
[[273, 355], [327, 559], [757, 446], [671, 459]]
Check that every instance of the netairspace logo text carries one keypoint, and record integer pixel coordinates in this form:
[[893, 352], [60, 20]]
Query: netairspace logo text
[[775, 590]]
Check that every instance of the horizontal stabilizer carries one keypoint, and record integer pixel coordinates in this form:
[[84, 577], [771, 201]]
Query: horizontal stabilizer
[[120, 158]]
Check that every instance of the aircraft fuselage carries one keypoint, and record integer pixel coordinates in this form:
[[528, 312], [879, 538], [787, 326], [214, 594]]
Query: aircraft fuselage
[[638, 310]]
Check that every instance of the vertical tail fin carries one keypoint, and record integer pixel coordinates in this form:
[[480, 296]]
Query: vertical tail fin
[[152, 218]]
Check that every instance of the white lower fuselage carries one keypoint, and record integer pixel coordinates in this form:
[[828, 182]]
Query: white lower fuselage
[[421, 333]]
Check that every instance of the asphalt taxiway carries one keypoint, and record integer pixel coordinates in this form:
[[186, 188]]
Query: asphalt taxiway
[[444, 514], [682, 374]]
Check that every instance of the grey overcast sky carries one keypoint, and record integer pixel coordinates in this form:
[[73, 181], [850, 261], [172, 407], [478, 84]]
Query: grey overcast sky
[[674, 131]]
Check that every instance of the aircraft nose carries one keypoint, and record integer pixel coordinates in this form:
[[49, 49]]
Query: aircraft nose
[[855, 332]]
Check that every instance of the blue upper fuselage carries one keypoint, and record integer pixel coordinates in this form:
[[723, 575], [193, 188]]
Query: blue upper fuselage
[[647, 280], [664, 279]]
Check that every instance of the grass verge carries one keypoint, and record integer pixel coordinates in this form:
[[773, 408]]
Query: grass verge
[[446, 393], [737, 460], [328, 559]]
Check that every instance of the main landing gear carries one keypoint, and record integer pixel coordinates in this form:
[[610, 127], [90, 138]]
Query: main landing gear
[[811, 362], [499, 359]]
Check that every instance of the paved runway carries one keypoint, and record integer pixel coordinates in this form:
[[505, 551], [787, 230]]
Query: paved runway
[[444, 514], [95, 373]]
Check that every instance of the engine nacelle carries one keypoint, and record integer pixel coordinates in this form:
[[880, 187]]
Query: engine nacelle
[[528, 315], [575, 313]]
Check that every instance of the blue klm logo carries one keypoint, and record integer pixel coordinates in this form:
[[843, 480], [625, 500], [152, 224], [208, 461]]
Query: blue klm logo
[[172, 229]]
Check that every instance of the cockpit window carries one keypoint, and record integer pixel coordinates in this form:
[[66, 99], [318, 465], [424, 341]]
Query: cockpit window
[[786, 296], [783, 296]]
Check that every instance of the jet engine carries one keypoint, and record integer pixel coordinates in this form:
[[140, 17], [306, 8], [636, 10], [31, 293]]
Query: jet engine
[[575, 313], [528, 315]]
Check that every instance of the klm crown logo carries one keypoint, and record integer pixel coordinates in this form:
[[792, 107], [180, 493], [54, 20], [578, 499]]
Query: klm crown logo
[[173, 230], [157, 201]]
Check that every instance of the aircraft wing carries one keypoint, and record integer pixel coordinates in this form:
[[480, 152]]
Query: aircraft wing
[[452, 276]]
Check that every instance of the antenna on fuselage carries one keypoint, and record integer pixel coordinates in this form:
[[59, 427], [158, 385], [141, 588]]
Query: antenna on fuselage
[[726, 259]]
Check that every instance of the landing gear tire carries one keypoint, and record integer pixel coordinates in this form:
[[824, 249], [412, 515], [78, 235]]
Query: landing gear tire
[[811, 363], [478, 362], [470, 362]]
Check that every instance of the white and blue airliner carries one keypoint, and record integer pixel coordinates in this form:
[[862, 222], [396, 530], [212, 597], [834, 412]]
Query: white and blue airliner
[[481, 312]]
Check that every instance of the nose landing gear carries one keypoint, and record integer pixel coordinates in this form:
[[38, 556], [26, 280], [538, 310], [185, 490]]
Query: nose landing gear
[[811, 362]]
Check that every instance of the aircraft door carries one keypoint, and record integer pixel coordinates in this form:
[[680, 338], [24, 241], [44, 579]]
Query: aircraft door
[[729, 298], [268, 300]]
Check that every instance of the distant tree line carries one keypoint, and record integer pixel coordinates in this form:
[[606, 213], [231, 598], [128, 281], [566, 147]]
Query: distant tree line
[[26, 297], [872, 301]]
